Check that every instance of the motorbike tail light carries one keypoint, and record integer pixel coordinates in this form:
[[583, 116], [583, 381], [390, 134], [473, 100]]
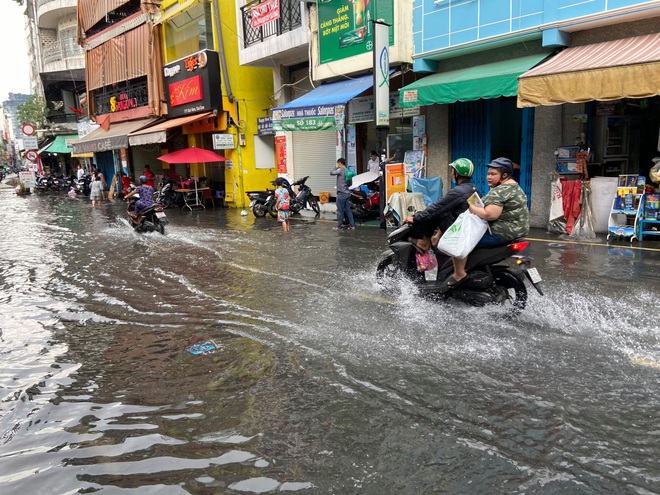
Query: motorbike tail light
[[159, 207], [519, 246]]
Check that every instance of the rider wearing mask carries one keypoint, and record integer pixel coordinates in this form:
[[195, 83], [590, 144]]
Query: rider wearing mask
[[505, 209], [146, 198], [446, 210]]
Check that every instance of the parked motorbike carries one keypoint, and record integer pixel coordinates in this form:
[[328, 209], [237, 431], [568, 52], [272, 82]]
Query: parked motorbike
[[166, 195], [365, 205], [488, 281], [304, 196], [262, 202], [83, 185], [152, 218]]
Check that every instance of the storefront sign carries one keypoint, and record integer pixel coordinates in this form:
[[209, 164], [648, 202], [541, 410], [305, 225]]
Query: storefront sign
[[280, 154], [265, 12], [410, 96], [122, 103], [27, 178], [265, 126], [317, 118], [362, 109], [193, 84], [381, 74], [395, 179], [345, 27], [223, 142]]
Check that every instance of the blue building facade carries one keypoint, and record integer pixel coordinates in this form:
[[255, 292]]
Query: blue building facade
[[455, 37]]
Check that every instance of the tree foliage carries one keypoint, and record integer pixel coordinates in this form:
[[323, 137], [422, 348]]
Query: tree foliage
[[34, 111]]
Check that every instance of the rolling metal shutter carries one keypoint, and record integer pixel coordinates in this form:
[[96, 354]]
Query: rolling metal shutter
[[314, 155]]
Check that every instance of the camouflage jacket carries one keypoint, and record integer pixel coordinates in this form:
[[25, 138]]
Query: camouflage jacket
[[514, 220]]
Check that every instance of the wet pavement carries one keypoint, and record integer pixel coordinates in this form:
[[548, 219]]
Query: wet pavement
[[321, 381]]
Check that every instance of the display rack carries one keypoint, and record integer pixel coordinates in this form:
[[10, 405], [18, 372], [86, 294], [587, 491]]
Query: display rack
[[627, 208], [650, 221]]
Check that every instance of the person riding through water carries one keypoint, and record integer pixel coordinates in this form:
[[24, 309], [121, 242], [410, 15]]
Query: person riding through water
[[446, 210], [146, 198], [505, 209]]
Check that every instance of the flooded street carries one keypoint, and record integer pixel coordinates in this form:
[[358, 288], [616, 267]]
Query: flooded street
[[321, 382]]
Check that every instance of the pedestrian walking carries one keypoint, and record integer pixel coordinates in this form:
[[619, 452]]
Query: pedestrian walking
[[282, 203], [96, 188], [343, 195]]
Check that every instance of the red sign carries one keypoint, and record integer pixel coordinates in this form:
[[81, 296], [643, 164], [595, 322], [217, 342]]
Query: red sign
[[265, 12], [186, 91], [280, 153], [31, 155], [124, 103], [28, 129]]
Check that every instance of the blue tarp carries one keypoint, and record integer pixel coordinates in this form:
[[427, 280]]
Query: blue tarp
[[431, 188]]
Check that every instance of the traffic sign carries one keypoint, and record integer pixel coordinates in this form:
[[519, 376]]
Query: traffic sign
[[28, 129], [32, 155], [30, 142]]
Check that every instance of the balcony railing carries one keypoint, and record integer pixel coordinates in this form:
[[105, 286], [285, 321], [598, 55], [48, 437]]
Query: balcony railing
[[290, 19], [61, 50], [132, 94]]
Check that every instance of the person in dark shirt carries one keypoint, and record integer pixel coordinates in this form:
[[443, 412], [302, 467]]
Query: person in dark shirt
[[442, 213]]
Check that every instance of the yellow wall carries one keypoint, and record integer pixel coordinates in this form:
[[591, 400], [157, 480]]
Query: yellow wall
[[252, 89]]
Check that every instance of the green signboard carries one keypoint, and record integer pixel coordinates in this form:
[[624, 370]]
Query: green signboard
[[345, 28], [313, 118]]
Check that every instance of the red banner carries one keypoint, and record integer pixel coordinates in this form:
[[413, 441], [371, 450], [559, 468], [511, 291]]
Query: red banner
[[265, 12], [280, 154], [186, 91]]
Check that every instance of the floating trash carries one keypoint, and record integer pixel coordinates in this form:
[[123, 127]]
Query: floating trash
[[207, 347]]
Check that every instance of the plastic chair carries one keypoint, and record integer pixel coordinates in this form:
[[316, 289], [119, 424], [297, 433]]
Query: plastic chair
[[206, 195]]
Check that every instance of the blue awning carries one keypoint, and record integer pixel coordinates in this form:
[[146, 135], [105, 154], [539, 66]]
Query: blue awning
[[322, 108]]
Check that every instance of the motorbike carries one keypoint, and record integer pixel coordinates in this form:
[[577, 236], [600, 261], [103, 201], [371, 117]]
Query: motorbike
[[152, 218], [489, 281], [303, 198], [166, 195], [262, 202], [83, 185], [365, 205]]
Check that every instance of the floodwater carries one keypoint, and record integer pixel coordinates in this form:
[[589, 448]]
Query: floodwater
[[321, 382]]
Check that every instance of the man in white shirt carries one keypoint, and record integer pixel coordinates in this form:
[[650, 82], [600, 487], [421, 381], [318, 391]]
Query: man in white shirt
[[374, 162]]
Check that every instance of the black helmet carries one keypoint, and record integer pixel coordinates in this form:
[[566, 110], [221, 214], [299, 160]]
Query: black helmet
[[504, 164], [143, 179]]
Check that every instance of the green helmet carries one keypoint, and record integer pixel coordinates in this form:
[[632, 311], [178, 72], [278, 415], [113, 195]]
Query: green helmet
[[463, 166]]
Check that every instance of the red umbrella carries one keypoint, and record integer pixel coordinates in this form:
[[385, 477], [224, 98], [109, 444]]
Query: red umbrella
[[192, 155]]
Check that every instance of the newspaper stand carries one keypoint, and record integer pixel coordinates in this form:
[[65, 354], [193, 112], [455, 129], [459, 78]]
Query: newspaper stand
[[627, 208]]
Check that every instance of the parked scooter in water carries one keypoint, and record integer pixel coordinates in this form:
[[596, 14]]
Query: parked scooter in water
[[151, 219], [488, 281], [261, 202], [365, 205]]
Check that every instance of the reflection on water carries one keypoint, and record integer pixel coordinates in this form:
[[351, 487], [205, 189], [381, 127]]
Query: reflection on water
[[322, 382]]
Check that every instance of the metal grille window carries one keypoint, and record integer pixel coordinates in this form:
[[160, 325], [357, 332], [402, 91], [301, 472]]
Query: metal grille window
[[290, 18]]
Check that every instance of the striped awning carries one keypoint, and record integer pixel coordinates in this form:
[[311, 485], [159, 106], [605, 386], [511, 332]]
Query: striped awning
[[624, 68]]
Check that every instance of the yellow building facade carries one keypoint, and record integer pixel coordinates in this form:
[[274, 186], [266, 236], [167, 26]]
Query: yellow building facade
[[191, 26]]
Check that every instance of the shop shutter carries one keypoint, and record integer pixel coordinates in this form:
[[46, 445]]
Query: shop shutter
[[146, 155], [314, 155], [470, 137]]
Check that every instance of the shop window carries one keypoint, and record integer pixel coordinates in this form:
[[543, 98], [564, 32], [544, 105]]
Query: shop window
[[189, 32]]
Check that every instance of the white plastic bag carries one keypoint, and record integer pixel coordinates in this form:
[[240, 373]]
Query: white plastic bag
[[463, 235]]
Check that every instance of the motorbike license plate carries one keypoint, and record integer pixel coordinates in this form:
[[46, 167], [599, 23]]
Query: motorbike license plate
[[160, 214], [534, 275]]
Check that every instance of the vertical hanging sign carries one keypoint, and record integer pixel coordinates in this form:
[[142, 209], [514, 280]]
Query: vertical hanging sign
[[382, 74]]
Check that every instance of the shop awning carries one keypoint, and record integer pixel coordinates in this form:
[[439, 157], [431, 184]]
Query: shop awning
[[322, 108], [113, 139], [59, 145], [157, 133], [625, 68], [472, 83]]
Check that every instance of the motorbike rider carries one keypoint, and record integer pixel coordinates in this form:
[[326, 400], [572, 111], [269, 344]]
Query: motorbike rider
[[146, 199], [505, 209], [446, 210]]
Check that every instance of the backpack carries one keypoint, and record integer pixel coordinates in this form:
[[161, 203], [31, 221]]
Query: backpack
[[348, 175]]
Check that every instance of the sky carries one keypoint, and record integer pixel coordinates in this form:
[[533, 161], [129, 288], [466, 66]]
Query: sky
[[15, 76]]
